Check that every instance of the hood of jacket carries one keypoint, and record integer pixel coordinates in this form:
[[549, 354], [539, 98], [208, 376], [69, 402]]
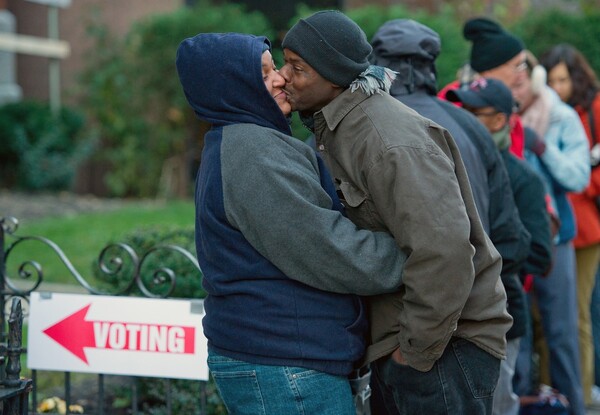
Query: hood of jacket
[[409, 48], [221, 77]]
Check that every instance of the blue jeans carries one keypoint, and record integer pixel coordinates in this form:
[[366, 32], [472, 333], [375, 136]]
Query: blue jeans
[[254, 389], [556, 298], [506, 401], [462, 381]]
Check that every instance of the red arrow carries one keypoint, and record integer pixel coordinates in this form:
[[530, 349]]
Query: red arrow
[[74, 333]]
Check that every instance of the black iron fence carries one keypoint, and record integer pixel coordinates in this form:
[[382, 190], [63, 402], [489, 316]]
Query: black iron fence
[[21, 395]]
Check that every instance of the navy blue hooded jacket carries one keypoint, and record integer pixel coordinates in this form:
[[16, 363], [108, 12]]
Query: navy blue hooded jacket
[[268, 224]]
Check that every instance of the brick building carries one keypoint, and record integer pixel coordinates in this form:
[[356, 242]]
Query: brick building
[[32, 19]]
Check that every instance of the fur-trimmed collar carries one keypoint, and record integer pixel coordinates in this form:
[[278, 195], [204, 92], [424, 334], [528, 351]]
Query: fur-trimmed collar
[[374, 80]]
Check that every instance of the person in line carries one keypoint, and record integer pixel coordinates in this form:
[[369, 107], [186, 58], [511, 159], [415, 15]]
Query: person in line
[[400, 172], [492, 103], [495, 53], [270, 238], [411, 48], [575, 82], [498, 54], [561, 156]]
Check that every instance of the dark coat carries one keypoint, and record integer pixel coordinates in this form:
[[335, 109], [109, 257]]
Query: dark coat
[[411, 50], [528, 189], [505, 227], [506, 230]]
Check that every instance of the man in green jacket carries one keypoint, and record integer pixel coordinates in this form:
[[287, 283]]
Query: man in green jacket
[[436, 344]]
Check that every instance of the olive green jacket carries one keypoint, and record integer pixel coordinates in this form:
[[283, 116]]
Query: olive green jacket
[[399, 172]]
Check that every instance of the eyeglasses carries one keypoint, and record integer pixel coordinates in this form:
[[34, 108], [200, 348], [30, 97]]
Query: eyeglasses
[[485, 114], [520, 67]]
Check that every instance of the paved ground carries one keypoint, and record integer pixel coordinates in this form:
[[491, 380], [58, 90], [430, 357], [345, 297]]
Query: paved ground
[[38, 205]]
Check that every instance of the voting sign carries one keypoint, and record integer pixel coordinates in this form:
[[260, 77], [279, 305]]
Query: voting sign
[[117, 335]]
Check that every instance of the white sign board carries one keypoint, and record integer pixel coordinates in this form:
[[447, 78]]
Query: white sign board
[[117, 335], [55, 3]]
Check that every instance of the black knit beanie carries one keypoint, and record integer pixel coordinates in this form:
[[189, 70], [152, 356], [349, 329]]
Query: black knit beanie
[[332, 44], [492, 45]]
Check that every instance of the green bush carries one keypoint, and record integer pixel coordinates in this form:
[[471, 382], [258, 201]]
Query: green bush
[[155, 263], [151, 391], [455, 48], [133, 95], [186, 396], [132, 91], [541, 31], [41, 151]]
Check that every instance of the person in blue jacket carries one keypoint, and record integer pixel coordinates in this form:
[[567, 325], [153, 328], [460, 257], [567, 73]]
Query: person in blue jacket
[[282, 265], [559, 152]]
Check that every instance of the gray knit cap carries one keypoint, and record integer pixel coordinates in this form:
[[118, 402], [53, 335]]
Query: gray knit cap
[[332, 44]]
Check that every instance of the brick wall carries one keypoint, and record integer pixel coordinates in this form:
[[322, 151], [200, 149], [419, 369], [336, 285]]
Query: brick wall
[[31, 19]]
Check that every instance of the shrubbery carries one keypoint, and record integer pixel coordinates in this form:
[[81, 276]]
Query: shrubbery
[[151, 391], [152, 248], [132, 92], [38, 149], [541, 31]]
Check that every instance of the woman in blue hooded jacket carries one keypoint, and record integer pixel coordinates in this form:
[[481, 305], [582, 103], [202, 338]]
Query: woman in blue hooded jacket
[[281, 263]]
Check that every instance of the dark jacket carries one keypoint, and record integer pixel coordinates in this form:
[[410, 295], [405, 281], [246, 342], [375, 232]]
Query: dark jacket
[[506, 229], [268, 223], [401, 172], [410, 49], [529, 192]]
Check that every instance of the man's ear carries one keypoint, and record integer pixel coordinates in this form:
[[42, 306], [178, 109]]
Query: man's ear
[[336, 90]]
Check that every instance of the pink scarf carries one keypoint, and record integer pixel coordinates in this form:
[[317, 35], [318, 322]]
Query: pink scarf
[[537, 115]]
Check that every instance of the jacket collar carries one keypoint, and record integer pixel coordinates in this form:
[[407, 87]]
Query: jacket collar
[[336, 110]]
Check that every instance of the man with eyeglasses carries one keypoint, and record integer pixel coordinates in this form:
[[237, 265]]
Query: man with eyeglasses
[[498, 54], [495, 52]]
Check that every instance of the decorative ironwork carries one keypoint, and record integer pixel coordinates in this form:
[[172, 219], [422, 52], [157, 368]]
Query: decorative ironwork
[[163, 275], [13, 390], [14, 349], [116, 262]]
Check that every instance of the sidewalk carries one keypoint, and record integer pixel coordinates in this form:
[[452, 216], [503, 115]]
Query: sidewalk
[[27, 206]]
